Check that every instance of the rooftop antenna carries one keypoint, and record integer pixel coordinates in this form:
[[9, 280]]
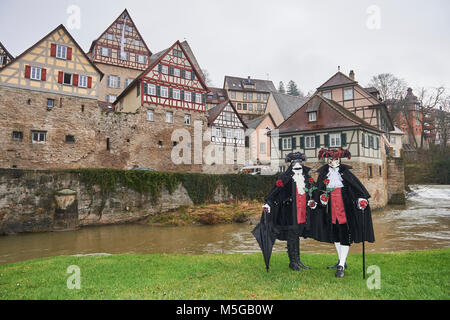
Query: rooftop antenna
[[339, 68]]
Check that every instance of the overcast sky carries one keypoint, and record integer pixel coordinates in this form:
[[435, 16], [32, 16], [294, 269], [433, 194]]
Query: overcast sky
[[281, 40]]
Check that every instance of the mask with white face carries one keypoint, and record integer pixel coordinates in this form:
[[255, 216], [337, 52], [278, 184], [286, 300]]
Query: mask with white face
[[334, 163], [297, 167]]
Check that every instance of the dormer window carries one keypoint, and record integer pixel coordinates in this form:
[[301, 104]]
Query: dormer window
[[327, 94], [348, 94], [312, 116]]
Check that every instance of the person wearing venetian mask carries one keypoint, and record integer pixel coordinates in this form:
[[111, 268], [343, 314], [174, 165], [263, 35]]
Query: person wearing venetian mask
[[289, 204], [343, 199]]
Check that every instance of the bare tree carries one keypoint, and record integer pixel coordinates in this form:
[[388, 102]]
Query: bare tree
[[429, 102], [442, 122], [389, 86], [207, 78]]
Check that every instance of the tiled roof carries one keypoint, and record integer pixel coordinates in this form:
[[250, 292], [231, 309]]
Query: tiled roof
[[236, 83], [288, 104], [339, 79]]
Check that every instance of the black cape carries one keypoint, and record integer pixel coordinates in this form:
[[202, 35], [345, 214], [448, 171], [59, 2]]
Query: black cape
[[353, 190], [283, 207]]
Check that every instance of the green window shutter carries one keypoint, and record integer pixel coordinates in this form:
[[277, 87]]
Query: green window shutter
[[302, 142], [193, 96], [171, 71], [363, 141], [378, 143], [203, 98], [327, 140], [343, 139], [193, 75], [158, 91], [183, 73], [370, 142], [170, 92], [138, 89], [280, 143], [182, 95], [294, 143], [145, 89], [160, 67], [317, 141]]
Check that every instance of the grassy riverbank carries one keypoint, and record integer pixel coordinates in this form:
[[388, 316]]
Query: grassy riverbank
[[408, 275], [209, 214]]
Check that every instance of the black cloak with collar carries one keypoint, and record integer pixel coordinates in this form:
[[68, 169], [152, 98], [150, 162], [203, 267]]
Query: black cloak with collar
[[353, 190], [283, 207]]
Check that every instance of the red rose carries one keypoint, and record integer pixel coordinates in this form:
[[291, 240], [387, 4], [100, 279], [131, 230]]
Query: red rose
[[311, 180], [326, 181], [279, 183], [324, 198]]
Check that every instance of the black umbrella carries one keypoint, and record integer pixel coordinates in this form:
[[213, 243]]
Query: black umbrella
[[265, 237], [363, 246]]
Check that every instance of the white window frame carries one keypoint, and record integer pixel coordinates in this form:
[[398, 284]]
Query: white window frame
[[198, 98], [228, 116], [176, 72], [393, 140], [312, 116], [124, 55], [187, 96], [164, 92], [151, 89], [35, 73], [187, 119], [346, 94], [250, 107], [233, 94], [239, 133], [110, 98], [137, 42], [61, 52], [83, 81], [102, 52], [114, 82], [229, 133], [265, 96], [150, 115], [335, 140], [52, 103], [141, 58], [327, 94], [39, 134], [188, 74], [286, 143], [218, 132], [169, 117], [310, 142], [176, 94], [109, 36], [164, 69]]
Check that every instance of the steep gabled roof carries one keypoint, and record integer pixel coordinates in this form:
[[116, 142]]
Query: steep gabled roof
[[288, 104], [330, 115], [6, 51], [214, 112], [253, 124], [112, 24], [154, 60], [191, 55], [337, 80], [235, 83], [61, 26]]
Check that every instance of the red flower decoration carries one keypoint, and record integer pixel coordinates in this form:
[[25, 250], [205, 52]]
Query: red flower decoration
[[311, 180], [326, 181], [279, 183]]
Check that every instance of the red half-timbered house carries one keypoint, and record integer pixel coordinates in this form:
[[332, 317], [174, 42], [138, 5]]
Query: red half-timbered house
[[121, 54]]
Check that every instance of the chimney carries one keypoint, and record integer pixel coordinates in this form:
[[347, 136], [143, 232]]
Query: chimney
[[352, 75]]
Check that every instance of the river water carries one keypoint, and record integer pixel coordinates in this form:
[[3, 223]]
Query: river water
[[423, 223]]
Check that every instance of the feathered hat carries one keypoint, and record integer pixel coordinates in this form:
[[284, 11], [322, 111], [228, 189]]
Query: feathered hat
[[335, 154], [295, 156]]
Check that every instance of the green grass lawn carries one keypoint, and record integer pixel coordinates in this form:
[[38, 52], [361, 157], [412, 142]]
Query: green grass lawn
[[408, 275]]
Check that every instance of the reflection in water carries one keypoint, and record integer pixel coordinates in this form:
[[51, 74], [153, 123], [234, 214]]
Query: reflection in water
[[424, 223]]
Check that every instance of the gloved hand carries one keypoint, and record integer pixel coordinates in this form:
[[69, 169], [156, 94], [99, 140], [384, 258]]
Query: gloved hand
[[362, 203], [312, 204], [323, 199], [266, 208]]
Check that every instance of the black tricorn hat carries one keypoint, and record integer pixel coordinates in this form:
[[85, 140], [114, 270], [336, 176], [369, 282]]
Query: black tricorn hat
[[295, 156]]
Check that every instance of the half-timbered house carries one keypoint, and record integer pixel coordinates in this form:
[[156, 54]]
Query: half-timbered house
[[48, 105], [5, 56], [346, 91], [121, 54], [170, 94], [324, 123]]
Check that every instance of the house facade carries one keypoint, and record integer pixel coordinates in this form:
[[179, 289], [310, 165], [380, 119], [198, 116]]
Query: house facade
[[121, 54], [167, 99], [323, 123], [227, 130], [48, 101], [259, 140], [5, 56], [250, 96], [346, 91]]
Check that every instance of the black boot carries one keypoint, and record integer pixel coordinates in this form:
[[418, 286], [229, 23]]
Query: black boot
[[297, 250], [292, 256], [334, 266], [340, 272]]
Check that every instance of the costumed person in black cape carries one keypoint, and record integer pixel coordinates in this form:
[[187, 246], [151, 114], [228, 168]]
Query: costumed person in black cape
[[289, 204], [344, 200]]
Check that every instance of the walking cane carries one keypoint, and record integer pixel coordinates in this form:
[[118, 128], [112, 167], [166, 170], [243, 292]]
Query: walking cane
[[363, 246]]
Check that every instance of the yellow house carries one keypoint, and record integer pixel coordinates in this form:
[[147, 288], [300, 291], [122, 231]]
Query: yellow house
[[55, 64]]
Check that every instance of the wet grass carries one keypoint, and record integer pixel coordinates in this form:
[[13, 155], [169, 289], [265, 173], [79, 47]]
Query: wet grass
[[408, 275], [208, 214]]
